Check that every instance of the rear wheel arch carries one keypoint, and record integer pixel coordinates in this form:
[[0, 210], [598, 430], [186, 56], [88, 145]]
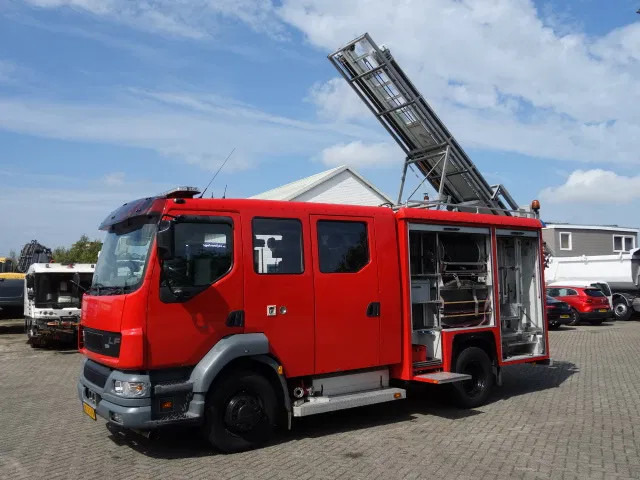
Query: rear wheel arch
[[482, 340]]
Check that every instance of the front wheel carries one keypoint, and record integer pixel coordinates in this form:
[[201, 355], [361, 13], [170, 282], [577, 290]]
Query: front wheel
[[621, 310], [472, 393], [240, 413]]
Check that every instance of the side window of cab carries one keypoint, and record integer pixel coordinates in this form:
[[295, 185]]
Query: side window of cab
[[202, 255]]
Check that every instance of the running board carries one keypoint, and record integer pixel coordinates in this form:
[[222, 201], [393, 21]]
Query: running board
[[442, 377], [315, 405]]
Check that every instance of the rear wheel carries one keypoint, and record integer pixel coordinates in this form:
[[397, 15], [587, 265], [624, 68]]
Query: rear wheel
[[472, 393], [575, 317], [621, 310], [240, 412]]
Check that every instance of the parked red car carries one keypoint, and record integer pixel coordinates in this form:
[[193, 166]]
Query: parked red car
[[588, 304]]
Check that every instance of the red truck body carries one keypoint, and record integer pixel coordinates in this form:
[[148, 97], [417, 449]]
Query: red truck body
[[318, 325]]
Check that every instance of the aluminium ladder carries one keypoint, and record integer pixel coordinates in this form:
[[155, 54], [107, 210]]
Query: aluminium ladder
[[382, 85]]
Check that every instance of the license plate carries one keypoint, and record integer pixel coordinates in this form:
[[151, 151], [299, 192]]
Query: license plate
[[564, 316], [89, 410], [603, 310]]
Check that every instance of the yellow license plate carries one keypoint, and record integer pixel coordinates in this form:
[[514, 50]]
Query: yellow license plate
[[564, 316], [603, 309], [89, 410]]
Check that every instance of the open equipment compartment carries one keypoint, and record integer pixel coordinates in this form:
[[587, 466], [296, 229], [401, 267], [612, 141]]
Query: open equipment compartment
[[522, 325], [451, 285]]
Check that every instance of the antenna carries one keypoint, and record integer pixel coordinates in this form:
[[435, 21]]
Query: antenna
[[224, 195], [217, 172]]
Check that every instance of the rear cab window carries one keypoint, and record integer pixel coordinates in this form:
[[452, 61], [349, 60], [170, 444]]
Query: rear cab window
[[343, 246], [593, 292], [277, 246]]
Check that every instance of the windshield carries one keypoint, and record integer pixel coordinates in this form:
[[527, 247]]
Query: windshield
[[122, 260], [57, 290]]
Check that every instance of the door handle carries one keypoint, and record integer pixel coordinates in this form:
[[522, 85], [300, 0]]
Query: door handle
[[235, 319], [373, 309]]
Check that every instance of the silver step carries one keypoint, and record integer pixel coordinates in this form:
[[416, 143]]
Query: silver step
[[442, 377], [317, 405]]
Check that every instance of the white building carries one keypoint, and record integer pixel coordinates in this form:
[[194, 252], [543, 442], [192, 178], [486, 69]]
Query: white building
[[338, 185]]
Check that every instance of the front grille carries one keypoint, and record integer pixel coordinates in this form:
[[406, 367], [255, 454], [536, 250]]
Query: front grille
[[102, 342], [95, 373]]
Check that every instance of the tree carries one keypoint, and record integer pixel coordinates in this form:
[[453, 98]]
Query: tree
[[82, 251]]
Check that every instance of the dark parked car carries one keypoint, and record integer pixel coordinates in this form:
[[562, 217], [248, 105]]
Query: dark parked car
[[558, 313]]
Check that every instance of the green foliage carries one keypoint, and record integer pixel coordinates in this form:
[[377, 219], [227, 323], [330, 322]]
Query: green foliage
[[83, 251]]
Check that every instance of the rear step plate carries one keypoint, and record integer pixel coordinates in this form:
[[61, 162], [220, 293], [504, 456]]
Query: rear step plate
[[442, 377], [341, 402]]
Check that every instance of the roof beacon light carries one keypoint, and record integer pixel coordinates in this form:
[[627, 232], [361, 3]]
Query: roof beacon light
[[181, 192], [535, 206]]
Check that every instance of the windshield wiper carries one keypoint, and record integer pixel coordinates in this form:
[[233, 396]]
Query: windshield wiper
[[107, 289]]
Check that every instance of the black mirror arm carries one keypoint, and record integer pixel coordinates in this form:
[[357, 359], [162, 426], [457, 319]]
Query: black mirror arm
[[79, 286], [165, 279]]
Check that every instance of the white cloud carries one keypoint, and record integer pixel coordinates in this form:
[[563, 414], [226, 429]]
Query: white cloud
[[336, 100], [361, 155], [115, 179], [594, 187], [502, 78], [199, 129], [194, 19]]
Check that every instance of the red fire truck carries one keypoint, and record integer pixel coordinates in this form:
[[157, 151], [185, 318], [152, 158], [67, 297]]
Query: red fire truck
[[238, 315]]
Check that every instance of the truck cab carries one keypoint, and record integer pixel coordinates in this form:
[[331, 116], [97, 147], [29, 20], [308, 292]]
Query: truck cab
[[238, 315], [52, 299]]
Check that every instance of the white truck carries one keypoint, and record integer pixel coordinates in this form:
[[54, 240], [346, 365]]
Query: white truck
[[52, 301], [620, 271]]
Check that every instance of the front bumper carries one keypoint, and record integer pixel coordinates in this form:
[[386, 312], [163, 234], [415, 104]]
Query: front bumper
[[137, 413], [59, 328]]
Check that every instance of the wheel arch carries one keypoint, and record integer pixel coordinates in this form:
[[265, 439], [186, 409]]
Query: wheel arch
[[236, 352], [484, 340]]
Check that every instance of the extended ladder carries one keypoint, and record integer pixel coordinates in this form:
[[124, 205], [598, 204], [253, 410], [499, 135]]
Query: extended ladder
[[394, 100]]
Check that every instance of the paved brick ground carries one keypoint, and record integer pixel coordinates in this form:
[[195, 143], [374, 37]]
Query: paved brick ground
[[579, 419]]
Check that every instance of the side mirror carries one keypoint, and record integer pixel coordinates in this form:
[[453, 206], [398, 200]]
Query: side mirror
[[164, 240]]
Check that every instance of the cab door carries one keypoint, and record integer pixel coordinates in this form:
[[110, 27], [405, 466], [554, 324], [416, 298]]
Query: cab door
[[347, 302], [279, 286], [201, 301]]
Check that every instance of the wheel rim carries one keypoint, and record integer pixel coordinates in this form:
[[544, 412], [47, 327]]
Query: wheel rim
[[620, 309], [243, 413], [478, 382]]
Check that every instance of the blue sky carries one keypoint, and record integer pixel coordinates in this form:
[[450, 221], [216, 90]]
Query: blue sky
[[102, 101]]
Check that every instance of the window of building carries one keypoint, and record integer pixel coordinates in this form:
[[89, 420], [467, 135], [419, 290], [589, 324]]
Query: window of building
[[343, 247], [277, 246], [565, 241], [623, 243]]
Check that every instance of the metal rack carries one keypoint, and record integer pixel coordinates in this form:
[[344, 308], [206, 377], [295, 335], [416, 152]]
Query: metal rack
[[429, 146]]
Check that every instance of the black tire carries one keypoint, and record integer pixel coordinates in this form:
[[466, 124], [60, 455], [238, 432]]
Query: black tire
[[240, 413], [575, 318], [621, 310], [475, 392]]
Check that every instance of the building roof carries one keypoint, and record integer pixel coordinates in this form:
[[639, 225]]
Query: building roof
[[292, 190], [610, 228]]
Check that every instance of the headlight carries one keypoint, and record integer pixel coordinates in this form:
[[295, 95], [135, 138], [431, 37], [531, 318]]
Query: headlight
[[130, 389]]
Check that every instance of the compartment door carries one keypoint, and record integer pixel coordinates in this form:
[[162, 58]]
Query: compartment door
[[347, 303]]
